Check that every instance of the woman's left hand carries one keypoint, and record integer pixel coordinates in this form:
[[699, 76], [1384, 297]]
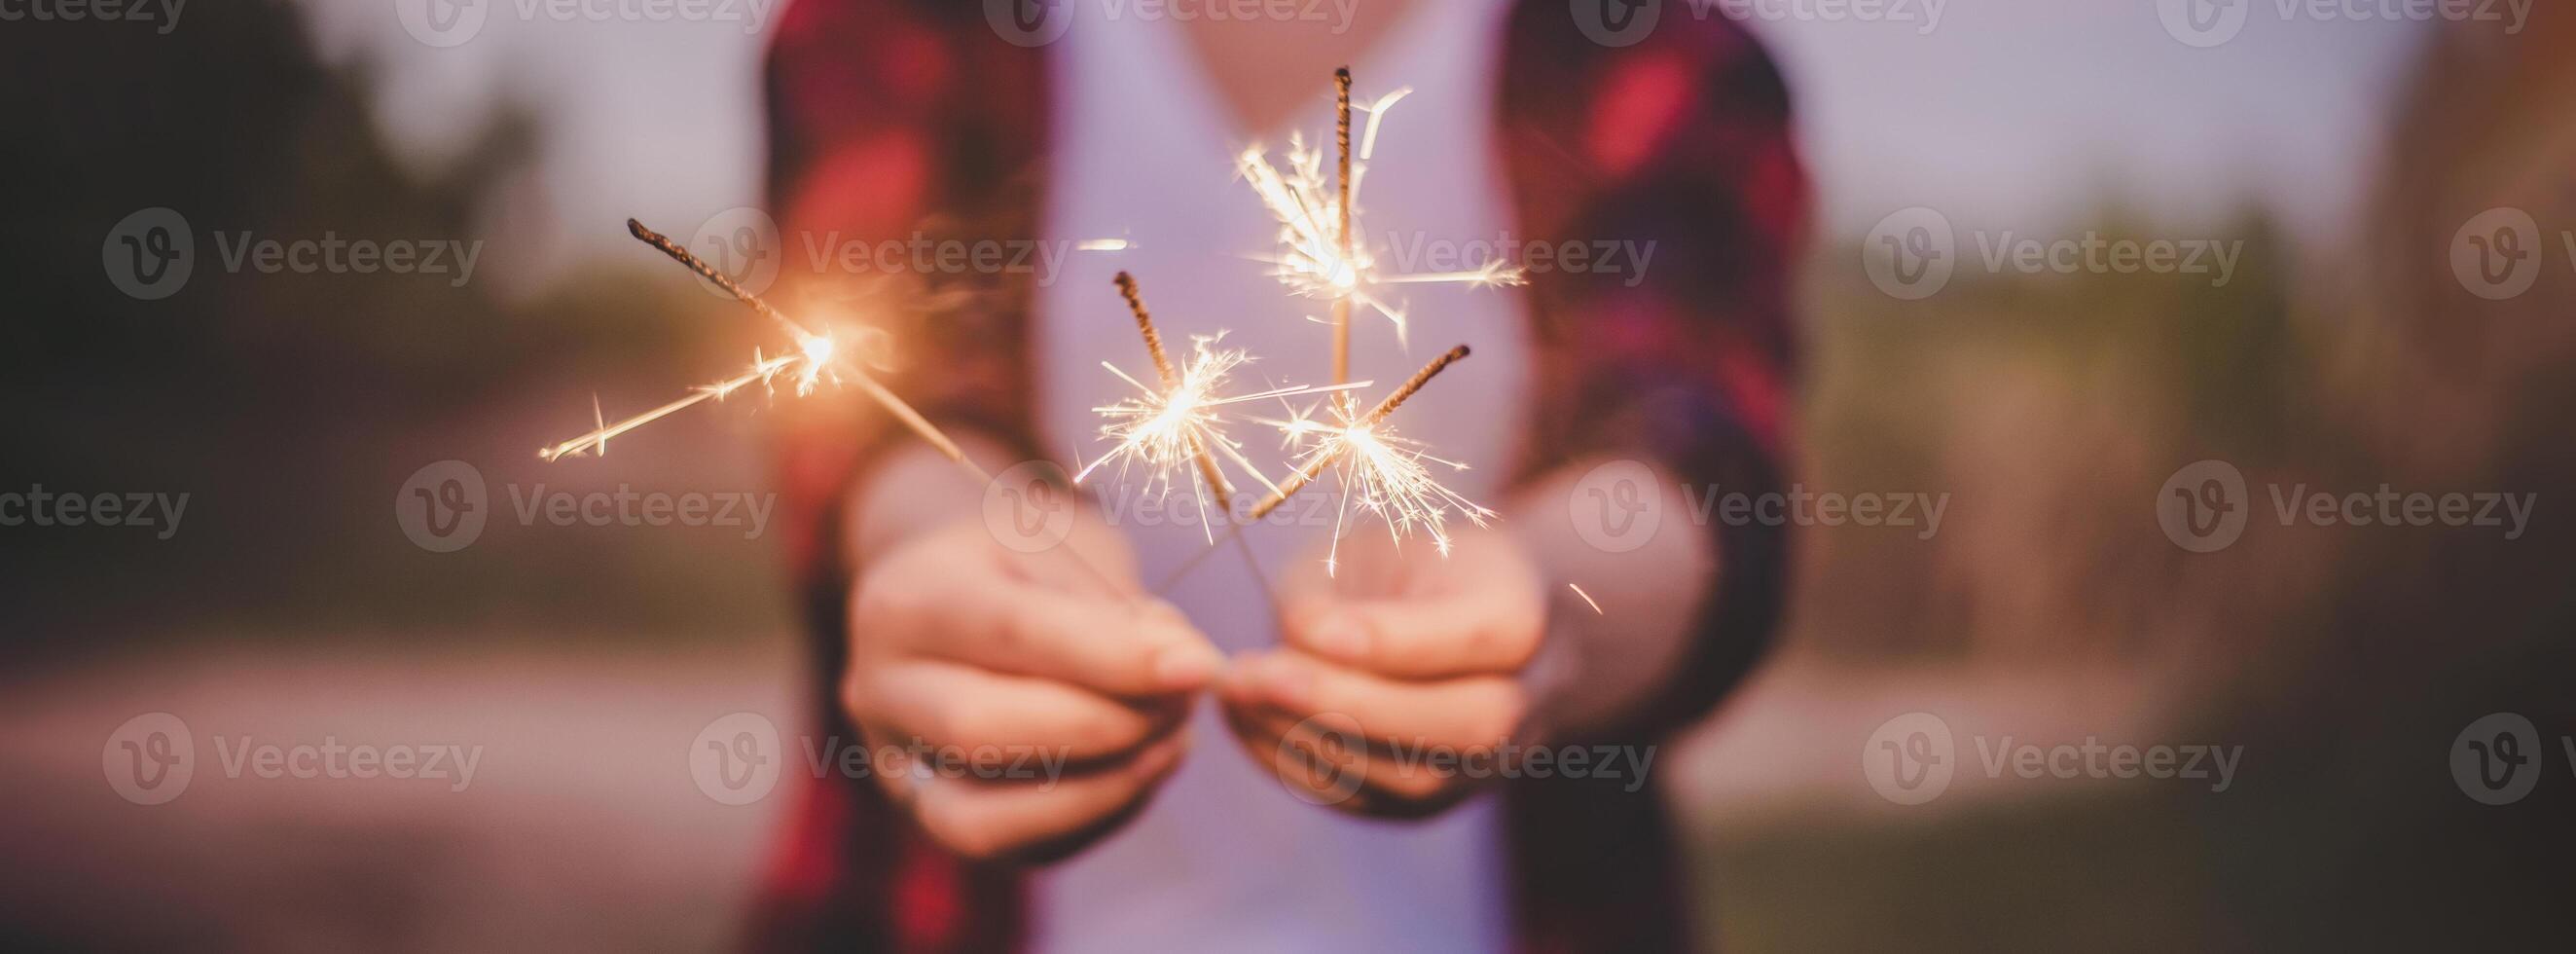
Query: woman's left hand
[[1397, 687]]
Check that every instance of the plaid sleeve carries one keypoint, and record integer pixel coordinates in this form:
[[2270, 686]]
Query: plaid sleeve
[[889, 118], [1681, 141]]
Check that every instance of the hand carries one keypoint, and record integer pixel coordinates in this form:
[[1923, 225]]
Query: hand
[[1400, 654], [958, 642]]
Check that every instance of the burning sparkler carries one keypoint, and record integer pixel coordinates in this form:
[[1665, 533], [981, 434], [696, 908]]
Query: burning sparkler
[[1317, 224], [812, 363], [1379, 472], [1171, 429]]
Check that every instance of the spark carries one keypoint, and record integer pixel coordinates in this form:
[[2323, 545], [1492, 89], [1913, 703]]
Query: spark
[[1180, 427], [1587, 599], [810, 366], [1318, 214], [1380, 473]]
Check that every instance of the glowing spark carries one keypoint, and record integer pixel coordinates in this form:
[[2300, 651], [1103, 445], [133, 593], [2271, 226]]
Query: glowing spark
[[1102, 245], [1182, 429], [1318, 216], [1587, 599], [1379, 472], [762, 371]]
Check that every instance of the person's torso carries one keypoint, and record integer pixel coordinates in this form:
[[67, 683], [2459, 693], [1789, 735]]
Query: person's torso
[[1225, 858]]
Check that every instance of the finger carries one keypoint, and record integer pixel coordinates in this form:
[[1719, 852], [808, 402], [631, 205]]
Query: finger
[[1458, 713], [946, 704], [1322, 759], [1116, 648], [990, 822], [1488, 630]]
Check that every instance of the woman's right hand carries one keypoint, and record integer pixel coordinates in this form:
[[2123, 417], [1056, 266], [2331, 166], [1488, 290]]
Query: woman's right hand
[[962, 649]]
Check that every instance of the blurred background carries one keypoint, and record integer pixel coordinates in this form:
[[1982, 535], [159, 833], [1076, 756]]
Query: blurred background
[[2360, 337]]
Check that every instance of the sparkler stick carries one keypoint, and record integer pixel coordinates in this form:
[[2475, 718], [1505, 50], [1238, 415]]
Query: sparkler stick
[[1321, 255], [1342, 146], [1332, 451], [815, 357], [1172, 382]]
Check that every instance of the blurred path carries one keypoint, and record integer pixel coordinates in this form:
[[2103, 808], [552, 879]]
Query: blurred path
[[581, 827]]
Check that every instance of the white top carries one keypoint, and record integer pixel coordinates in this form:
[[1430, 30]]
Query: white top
[[1225, 858]]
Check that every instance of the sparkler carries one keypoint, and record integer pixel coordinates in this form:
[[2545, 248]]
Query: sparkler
[[1317, 225], [1170, 429], [1379, 472], [815, 361], [811, 364]]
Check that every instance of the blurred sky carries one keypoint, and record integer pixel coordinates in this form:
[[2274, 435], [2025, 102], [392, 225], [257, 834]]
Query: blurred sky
[[2020, 114]]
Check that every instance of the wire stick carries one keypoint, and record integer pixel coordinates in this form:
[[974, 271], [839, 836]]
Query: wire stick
[[1171, 380], [1342, 304], [1315, 467], [894, 404], [1207, 461]]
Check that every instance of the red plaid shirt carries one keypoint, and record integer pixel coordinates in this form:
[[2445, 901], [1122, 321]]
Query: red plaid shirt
[[889, 114]]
